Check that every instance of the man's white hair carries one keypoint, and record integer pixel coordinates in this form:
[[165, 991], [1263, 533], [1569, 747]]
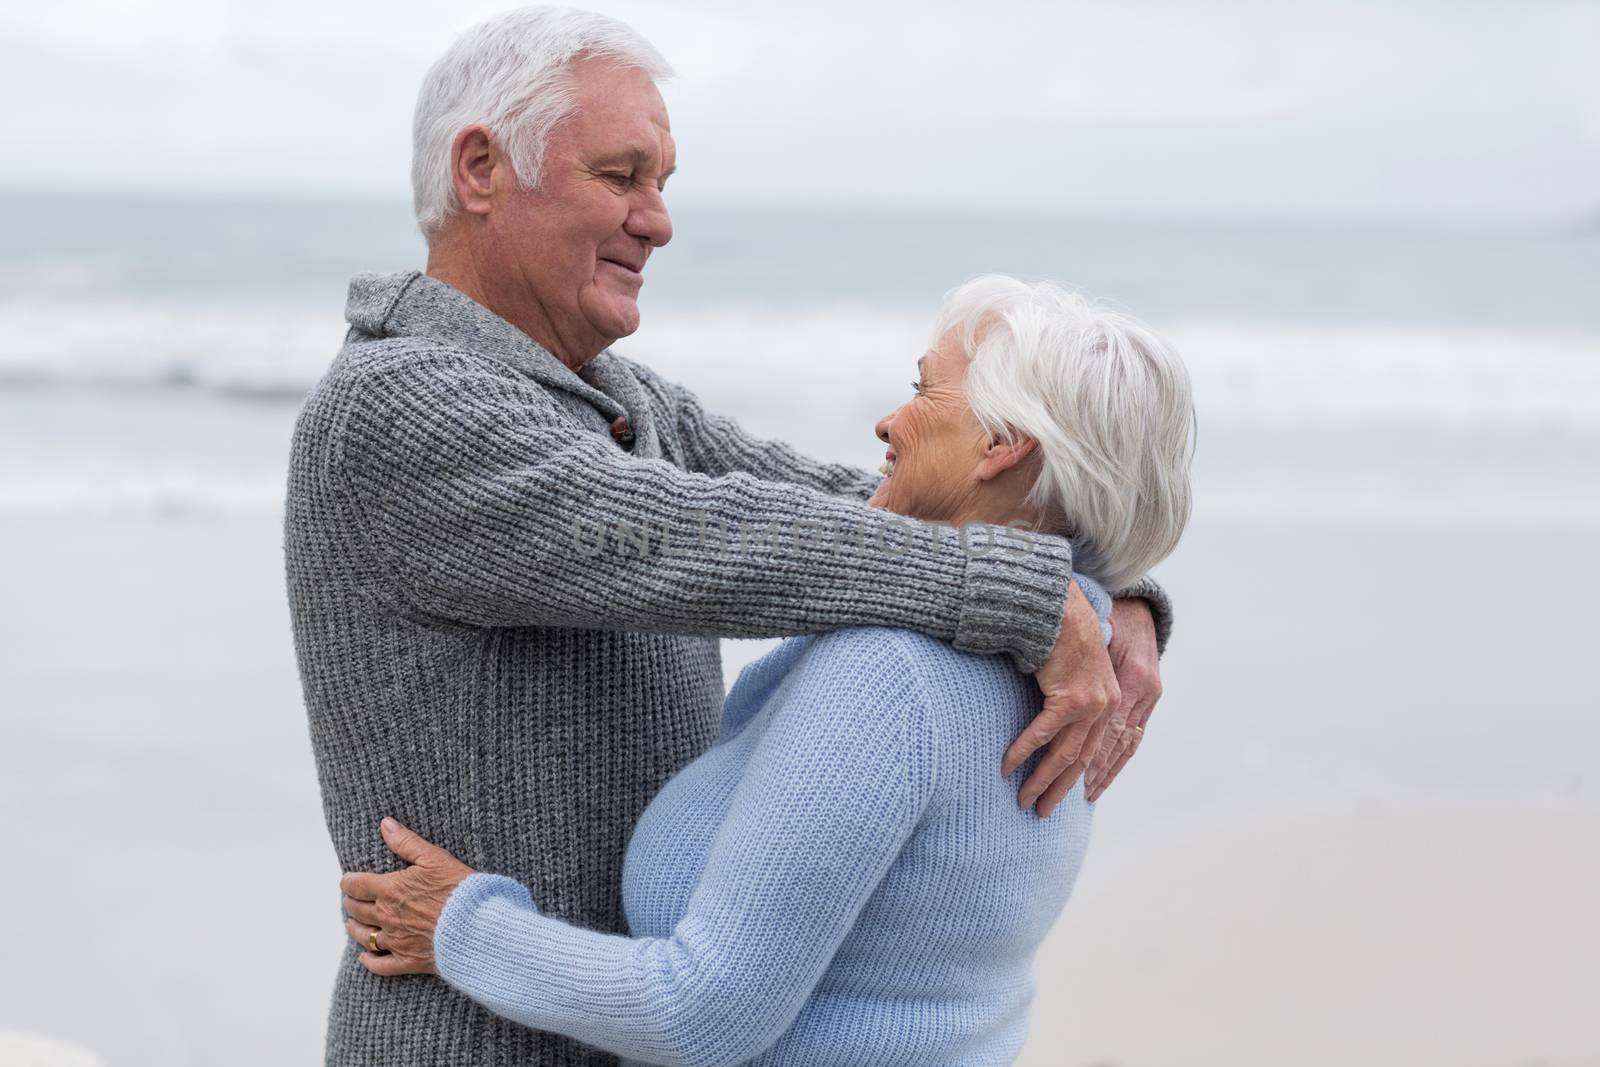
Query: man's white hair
[[1109, 403], [511, 74]]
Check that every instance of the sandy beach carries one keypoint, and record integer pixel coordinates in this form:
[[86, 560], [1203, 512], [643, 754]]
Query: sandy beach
[[1363, 828], [1402, 934]]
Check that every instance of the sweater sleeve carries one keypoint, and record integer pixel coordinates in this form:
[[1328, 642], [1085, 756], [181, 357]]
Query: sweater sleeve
[[716, 444], [1151, 593], [488, 509], [833, 790]]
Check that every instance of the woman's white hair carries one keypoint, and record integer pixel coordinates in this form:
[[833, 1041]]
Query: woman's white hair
[[511, 74], [1109, 403]]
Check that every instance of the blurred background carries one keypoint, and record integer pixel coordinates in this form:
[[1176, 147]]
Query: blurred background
[[1365, 826]]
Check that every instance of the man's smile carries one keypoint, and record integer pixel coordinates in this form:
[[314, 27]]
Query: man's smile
[[633, 266]]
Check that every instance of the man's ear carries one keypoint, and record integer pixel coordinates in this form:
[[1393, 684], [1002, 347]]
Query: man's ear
[[474, 157], [1000, 456]]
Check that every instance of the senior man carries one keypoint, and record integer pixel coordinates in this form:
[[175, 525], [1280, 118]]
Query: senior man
[[490, 648]]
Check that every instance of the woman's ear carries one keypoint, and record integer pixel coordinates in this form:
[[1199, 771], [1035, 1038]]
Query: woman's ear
[[1001, 456]]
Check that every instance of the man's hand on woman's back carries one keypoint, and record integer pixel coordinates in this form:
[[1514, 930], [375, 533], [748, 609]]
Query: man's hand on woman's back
[[1097, 700], [1138, 666], [1080, 693]]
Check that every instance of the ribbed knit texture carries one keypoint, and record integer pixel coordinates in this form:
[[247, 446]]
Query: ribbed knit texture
[[844, 879], [473, 668]]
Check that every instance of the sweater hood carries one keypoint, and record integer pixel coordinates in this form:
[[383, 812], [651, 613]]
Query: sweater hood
[[413, 304]]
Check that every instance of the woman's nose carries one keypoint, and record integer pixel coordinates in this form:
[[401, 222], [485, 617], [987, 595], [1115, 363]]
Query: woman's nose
[[882, 428]]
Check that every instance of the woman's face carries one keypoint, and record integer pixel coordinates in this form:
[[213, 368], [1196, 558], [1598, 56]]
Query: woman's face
[[935, 442]]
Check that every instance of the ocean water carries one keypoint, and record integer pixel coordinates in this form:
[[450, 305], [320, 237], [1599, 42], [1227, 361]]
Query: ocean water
[[152, 350], [1384, 602]]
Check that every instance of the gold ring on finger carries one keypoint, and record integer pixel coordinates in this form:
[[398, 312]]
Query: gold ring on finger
[[372, 940]]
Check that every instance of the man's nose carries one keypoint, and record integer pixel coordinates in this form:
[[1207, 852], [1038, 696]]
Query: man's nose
[[882, 428], [650, 222]]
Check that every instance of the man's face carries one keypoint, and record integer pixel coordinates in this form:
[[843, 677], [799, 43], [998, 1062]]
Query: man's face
[[578, 244]]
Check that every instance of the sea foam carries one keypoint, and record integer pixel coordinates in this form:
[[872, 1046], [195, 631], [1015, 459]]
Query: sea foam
[[1250, 373]]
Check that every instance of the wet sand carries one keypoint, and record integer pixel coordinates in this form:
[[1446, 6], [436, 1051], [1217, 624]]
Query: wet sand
[[1363, 829]]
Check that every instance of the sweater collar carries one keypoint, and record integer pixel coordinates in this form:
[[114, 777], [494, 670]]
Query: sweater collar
[[413, 304]]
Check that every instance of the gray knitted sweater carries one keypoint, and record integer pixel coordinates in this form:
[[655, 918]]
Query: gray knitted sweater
[[507, 622]]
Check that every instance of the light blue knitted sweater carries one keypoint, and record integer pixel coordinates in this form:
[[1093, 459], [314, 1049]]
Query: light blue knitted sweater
[[845, 878]]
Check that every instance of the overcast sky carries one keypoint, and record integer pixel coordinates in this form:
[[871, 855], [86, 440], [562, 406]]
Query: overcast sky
[[1451, 111]]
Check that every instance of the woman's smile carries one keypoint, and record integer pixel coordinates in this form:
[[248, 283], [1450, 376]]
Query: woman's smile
[[934, 444]]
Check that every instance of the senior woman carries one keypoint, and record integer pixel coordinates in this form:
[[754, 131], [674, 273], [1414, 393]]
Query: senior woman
[[843, 878]]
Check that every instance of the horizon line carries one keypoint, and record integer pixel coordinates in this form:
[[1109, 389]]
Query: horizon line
[[1575, 221]]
